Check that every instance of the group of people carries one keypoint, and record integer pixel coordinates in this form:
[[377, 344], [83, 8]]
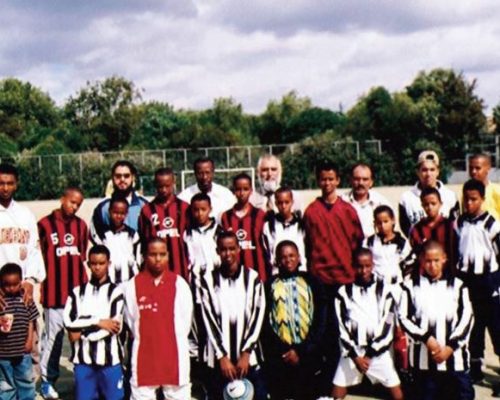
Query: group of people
[[216, 291]]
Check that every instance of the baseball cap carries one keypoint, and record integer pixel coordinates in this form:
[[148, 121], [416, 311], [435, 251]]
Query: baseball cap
[[428, 155]]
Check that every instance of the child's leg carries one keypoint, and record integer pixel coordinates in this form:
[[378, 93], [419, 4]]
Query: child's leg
[[85, 382], [110, 382], [396, 393], [339, 392], [7, 385], [23, 378], [51, 344]]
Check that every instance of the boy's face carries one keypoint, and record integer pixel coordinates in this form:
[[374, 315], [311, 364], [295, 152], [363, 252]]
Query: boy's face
[[288, 259], [431, 205], [201, 212], [165, 186], [328, 182], [479, 169], [117, 213], [99, 264], [71, 202], [8, 186], [156, 260], [428, 173], [384, 223], [363, 268], [228, 250], [11, 284], [284, 203], [242, 190], [472, 202], [433, 261]]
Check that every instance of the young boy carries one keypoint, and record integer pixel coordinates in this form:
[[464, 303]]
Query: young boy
[[365, 311], [122, 242], [436, 313], [247, 222], [166, 217], [479, 168], [286, 224], [63, 242], [93, 316], [436, 227], [17, 324], [478, 267]]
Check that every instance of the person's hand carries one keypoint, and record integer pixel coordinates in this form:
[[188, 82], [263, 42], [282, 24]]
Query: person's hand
[[110, 325], [27, 292], [227, 369], [243, 364], [291, 357], [362, 364], [28, 346], [74, 336], [433, 346], [442, 355]]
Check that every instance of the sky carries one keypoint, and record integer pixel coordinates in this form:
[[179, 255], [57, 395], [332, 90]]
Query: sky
[[189, 52]]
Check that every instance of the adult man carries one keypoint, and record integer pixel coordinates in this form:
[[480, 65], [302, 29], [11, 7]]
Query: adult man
[[410, 205], [18, 233], [363, 198], [123, 175], [479, 167], [269, 173], [158, 310], [221, 197]]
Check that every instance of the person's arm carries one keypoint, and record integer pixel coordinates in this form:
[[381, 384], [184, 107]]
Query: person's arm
[[254, 323], [407, 315], [459, 335], [35, 266], [33, 315], [113, 324], [384, 333], [347, 340]]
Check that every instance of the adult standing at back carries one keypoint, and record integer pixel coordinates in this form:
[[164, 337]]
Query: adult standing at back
[[410, 205], [363, 198], [221, 197], [123, 176], [479, 168]]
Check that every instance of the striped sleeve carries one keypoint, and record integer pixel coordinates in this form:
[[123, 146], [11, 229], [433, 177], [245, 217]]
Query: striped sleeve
[[459, 336], [254, 325], [346, 337], [407, 317], [116, 312], [384, 333], [73, 321]]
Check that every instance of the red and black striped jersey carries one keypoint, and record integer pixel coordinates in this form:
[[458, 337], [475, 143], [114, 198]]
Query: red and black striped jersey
[[167, 222], [249, 229], [63, 244]]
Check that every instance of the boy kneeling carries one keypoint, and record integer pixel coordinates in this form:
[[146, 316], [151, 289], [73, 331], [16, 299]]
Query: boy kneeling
[[365, 311]]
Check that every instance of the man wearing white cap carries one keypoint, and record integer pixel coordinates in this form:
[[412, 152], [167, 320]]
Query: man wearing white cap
[[410, 207]]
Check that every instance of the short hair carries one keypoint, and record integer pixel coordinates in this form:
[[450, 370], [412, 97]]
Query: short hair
[[360, 252], [474, 184], [484, 156], [431, 245], [124, 163], [203, 160], [226, 235], [285, 243], [326, 166], [11, 269], [430, 191], [100, 249], [9, 169], [164, 171], [243, 175], [70, 189], [201, 197], [152, 240], [384, 208], [283, 189], [363, 165], [118, 198]]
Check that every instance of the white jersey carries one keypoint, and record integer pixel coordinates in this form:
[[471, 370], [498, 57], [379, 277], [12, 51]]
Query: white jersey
[[221, 197]]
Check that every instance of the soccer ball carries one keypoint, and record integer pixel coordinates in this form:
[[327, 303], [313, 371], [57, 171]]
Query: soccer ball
[[238, 390]]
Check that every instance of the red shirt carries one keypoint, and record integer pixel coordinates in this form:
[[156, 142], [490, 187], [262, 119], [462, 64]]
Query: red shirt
[[333, 232]]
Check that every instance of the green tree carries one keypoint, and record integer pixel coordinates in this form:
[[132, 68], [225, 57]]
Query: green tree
[[312, 121]]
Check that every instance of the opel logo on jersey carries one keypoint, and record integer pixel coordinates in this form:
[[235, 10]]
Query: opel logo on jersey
[[168, 222], [69, 239], [241, 234]]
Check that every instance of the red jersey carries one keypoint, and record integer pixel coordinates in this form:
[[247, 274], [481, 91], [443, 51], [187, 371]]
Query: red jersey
[[248, 230], [167, 222], [63, 244], [333, 232]]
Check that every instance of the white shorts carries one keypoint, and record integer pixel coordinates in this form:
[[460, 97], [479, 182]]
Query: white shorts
[[170, 392], [381, 371]]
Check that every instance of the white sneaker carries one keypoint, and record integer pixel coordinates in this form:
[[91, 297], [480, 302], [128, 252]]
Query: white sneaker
[[48, 392]]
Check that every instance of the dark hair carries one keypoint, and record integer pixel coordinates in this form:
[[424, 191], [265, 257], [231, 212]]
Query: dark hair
[[243, 175], [430, 191], [9, 169], [326, 166], [285, 243], [283, 189], [360, 252], [484, 156], [364, 165], [70, 189], [384, 208], [11, 269], [100, 249], [203, 160], [118, 198], [164, 171], [201, 197], [152, 240], [474, 184], [431, 245], [226, 235], [124, 163]]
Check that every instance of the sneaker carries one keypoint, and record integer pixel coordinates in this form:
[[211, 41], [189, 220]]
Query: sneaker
[[48, 392], [476, 373]]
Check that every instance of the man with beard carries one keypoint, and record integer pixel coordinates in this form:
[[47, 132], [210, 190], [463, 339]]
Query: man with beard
[[269, 173], [363, 198], [123, 175]]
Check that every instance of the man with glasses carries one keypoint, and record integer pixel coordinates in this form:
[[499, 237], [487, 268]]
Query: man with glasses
[[123, 176]]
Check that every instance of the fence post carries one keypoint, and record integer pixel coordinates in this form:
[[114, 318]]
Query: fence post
[[60, 163], [228, 157], [164, 157], [249, 155], [357, 149], [81, 169], [185, 158]]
